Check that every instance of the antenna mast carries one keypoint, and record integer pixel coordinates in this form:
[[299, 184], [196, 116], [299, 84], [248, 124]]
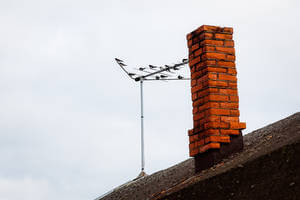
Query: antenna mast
[[151, 73]]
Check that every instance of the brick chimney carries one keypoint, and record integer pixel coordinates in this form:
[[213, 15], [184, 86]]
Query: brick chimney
[[217, 129]]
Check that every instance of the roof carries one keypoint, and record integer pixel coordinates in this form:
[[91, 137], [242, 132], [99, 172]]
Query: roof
[[181, 177]]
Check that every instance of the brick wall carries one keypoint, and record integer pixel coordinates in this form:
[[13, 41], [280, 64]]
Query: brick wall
[[214, 89]]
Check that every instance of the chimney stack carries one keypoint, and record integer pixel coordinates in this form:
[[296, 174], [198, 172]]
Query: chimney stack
[[217, 129]]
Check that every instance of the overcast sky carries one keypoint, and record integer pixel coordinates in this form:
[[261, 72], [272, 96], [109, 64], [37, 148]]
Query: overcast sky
[[69, 120]]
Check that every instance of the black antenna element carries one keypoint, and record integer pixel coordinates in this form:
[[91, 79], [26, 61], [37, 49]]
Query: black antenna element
[[152, 67], [122, 65], [151, 73]]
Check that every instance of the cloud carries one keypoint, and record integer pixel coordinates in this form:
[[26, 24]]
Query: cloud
[[25, 188], [69, 120]]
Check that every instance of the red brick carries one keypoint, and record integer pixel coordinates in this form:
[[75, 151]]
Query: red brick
[[226, 64], [214, 145], [198, 102], [195, 110], [208, 105], [189, 36], [231, 71], [203, 93], [217, 83], [242, 125], [229, 43], [214, 56], [229, 105], [224, 139], [190, 42], [205, 83], [209, 146], [196, 40], [198, 52], [212, 42], [194, 61], [228, 30], [226, 50], [229, 132], [213, 118], [237, 125], [235, 113], [216, 69], [196, 75], [229, 119], [206, 77], [197, 151], [194, 96], [223, 36], [193, 83], [212, 132], [191, 56], [228, 91], [214, 97], [190, 132], [201, 80], [196, 88], [190, 139], [200, 66], [209, 48], [232, 84], [234, 125], [216, 125], [234, 98], [212, 76], [209, 28], [195, 137], [208, 91], [198, 128], [196, 125], [213, 90], [193, 69], [200, 142], [194, 47], [206, 36], [209, 62], [194, 152], [213, 105], [227, 77], [203, 121], [191, 145], [230, 57], [215, 111]]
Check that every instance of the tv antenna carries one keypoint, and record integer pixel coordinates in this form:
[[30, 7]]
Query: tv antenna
[[151, 73]]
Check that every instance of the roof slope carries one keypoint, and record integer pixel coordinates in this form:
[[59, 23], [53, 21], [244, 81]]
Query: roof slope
[[178, 181], [150, 185]]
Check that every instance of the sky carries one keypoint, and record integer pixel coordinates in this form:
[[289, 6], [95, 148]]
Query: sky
[[69, 120]]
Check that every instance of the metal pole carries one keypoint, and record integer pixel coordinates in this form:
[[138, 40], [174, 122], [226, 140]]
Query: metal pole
[[142, 127]]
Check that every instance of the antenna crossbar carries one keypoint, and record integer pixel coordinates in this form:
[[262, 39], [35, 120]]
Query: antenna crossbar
[[167, 68]]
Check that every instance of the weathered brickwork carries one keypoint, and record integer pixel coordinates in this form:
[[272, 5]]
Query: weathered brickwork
[[214, 89]]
